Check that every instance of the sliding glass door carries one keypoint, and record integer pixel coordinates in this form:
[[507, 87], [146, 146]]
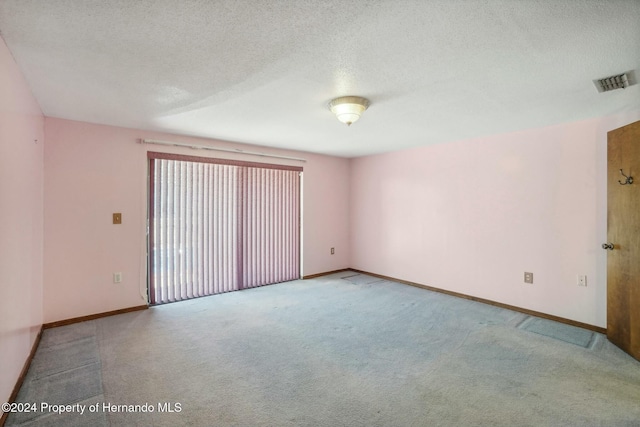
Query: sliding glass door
[[217, 226]]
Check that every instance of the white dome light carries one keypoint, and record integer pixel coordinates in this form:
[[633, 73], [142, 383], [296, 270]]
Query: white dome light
[[348, 109]]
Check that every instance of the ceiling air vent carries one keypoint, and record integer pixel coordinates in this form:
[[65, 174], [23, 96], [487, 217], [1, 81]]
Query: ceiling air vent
[[619, 81]]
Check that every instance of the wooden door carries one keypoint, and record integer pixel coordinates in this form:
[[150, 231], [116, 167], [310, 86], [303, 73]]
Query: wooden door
[[623, 234]]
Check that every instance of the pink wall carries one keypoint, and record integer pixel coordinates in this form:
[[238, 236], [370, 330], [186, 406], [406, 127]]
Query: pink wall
[[469, 216], [92, 171], [21, 123], [472, 216]]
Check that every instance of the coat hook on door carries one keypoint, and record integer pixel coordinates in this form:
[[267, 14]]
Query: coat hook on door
[[628, 179]]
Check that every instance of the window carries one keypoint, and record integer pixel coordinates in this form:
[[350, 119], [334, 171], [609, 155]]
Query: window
[[217, 226]]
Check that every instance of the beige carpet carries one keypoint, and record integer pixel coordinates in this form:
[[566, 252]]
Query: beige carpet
[[357, 351]]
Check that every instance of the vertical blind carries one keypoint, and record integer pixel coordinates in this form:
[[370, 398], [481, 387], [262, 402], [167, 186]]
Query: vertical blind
[[217, 226]]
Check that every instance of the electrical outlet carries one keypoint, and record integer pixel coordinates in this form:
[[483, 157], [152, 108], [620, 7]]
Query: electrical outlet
[[582, 281], [117, 277], [528, 277], [333, 251]]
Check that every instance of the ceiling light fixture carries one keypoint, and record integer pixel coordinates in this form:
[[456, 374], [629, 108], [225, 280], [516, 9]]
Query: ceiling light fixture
[[348, 109]]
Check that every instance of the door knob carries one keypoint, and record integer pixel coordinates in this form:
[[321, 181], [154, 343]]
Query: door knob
[[607, 246]]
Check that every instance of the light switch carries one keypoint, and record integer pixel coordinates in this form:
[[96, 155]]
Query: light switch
[[117, 218]]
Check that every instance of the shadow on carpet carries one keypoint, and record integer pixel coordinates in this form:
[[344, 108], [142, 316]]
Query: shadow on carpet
[[64, 380], [559, 331]]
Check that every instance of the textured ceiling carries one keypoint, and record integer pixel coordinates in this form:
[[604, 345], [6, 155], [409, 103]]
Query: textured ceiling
[[262, 72]]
